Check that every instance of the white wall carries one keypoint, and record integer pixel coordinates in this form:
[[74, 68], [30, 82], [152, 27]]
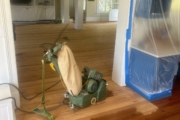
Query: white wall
[[118, 75], [92, 15], [6, 110], [8, 69]]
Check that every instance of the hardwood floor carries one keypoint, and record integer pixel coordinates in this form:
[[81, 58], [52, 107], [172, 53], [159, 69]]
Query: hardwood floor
[[94, 47]]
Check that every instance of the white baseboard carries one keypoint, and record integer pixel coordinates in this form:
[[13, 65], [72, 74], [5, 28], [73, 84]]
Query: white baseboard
[[65, 20], [113, 19], [8, 91], [6, 110], [15, 94], [78, 26], [93, 19], [7, 106]]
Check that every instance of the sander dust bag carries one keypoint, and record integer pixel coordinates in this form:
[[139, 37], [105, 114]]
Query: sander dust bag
[[70, 72]]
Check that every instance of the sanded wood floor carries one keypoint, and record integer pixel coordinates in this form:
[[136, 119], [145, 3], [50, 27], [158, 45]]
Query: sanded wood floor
[[94, 47]]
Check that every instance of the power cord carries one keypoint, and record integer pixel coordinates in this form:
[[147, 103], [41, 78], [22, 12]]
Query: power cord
[[31, 97], [54, 43], [30, 112]]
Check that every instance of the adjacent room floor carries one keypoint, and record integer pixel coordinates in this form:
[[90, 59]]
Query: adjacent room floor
[[94, 47]]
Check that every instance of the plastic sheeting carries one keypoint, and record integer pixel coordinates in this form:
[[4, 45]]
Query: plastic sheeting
[[155, 48], [151, 76], [156, 27]]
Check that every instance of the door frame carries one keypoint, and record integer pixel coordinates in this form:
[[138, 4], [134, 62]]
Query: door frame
[[8, 70], [8, 41], [123, 42]]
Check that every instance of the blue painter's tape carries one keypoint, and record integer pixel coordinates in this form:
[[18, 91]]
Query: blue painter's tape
[[150, 97], [151, 77], [178, 73], [128, 37]]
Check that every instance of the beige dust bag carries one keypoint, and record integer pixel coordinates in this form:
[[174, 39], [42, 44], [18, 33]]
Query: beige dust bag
[[69, 70]]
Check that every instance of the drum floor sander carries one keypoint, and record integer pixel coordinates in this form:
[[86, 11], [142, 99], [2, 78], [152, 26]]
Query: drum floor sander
[[83, 88]]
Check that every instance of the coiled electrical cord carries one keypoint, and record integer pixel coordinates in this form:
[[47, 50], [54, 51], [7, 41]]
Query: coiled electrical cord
[[30, 112], [22, 93]]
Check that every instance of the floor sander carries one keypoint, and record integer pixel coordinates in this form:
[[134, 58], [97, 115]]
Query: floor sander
[[83, 88]]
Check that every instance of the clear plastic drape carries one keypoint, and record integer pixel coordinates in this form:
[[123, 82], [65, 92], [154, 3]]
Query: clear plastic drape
[[155, 48], [156, 27]]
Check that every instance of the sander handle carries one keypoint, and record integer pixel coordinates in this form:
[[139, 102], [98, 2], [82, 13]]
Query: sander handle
[[50, 56]]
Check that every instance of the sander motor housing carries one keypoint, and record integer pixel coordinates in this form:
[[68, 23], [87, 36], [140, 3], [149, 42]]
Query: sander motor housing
[[94, 89]]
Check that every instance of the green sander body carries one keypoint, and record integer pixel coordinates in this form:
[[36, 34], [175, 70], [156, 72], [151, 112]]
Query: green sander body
[[94, 87]]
